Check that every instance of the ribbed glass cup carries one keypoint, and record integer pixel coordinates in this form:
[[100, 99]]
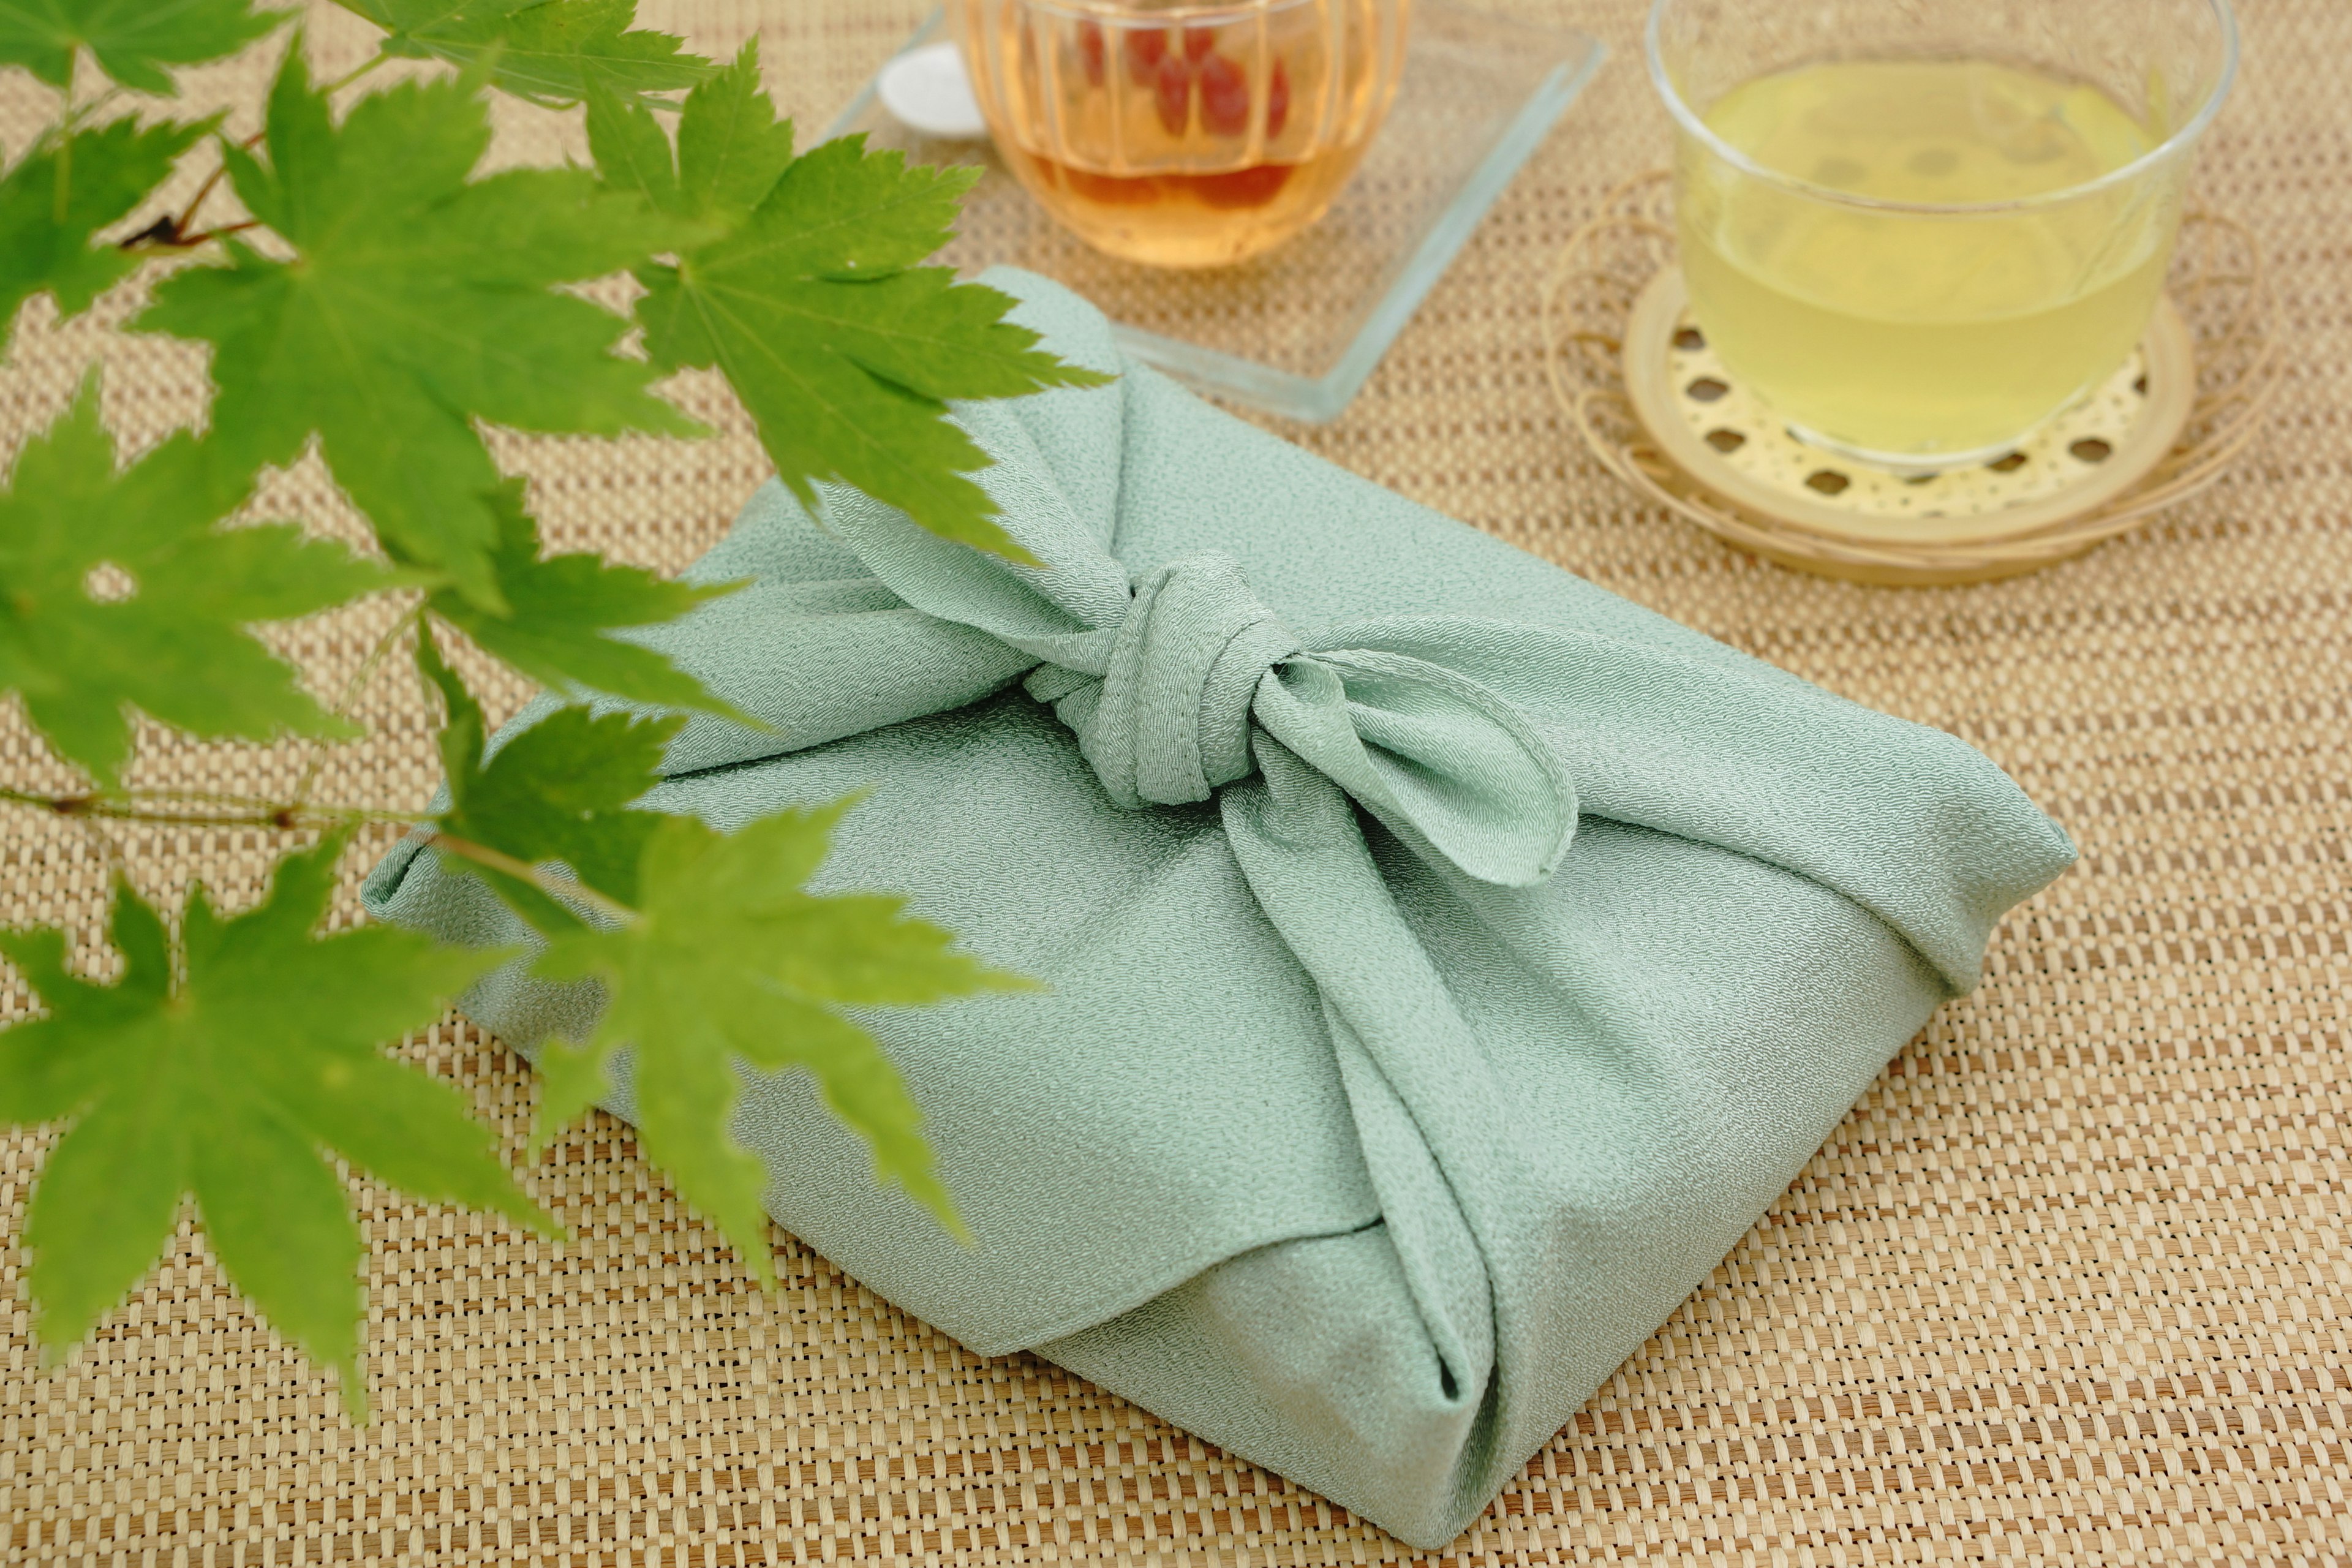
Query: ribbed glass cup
[[1917, 229], [1184, 135]]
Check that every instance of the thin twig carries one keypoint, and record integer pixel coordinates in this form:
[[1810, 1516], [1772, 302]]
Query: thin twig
[[200, 798], [190, 241], [62, 183], [87, 809], [552, 886], [73, 118], [284, 819], [181, 225], [352, 689], [348, 77]]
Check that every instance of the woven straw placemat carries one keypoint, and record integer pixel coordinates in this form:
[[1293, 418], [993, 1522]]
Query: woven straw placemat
[[2070, 1284]]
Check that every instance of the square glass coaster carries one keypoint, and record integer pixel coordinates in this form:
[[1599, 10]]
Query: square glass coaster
[[1298, 330]]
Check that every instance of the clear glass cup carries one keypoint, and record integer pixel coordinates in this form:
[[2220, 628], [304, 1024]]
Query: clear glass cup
[[1917, 229], [1183, 135]]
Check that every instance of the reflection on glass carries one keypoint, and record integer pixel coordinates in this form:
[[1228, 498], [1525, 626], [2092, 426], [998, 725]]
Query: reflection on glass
[[1184, 135]]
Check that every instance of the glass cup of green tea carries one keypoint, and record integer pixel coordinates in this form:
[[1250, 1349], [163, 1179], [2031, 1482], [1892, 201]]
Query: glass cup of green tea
[[1915, 230]]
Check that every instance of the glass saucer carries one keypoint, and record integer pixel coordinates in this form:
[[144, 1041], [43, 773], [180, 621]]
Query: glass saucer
[[1297, 331]]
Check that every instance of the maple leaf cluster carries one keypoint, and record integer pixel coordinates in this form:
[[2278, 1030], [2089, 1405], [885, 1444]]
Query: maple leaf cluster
[[387, 303]]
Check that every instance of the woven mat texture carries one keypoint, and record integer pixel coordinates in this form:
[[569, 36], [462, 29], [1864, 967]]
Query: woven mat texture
[[2070, 1285]]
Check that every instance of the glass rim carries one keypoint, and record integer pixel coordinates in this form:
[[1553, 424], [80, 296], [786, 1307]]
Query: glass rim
[[1124, 13], [2181, 139]]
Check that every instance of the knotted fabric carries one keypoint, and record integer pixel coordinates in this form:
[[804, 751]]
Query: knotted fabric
[[1178, 685], [1374, 1106], [1162, 704]]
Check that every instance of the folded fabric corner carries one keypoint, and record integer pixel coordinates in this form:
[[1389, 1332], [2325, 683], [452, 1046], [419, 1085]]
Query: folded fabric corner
[[1447, 961]]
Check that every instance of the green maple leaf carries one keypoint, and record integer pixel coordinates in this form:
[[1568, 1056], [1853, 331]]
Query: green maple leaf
[[549, 51], [166, 635], [228, 1084], [64, 191], [559, 792], [561, 611], [730, 965], [812, 302], [417, 302], [133, 40]]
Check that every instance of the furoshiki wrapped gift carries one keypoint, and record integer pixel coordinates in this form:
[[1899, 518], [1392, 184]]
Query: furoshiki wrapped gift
[[1445, 961]]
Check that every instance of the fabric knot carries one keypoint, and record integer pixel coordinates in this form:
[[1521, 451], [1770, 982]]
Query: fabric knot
[[1165, 719], [1180, 681]]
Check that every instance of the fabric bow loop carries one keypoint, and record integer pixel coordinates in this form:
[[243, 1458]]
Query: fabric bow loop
[[1164, 720], [1165, 702], [1176, 681]]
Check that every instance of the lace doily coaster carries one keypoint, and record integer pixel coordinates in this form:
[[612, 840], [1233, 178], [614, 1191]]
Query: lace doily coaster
[[1635, 375]]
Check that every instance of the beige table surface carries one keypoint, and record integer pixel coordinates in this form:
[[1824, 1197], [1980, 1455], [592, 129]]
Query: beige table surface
[[2070, 1285]]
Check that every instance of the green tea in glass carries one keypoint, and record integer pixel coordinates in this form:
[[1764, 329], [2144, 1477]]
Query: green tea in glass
[[1916, 231]]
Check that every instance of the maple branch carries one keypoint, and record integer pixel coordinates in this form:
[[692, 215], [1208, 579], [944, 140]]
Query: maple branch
[[201, 797], [62, 186], [71, 116], [188, 241], [559, 888], [178, 225], [238, 811], [348, 77], [173, 230], [352, 689], [250, 811]]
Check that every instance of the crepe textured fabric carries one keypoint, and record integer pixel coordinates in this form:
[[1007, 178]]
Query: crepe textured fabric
[[1447, 960]]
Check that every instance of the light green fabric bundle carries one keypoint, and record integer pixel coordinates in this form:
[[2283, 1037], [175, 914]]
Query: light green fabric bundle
[[1448, 960]]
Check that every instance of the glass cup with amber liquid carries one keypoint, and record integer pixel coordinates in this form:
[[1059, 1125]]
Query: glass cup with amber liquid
[[1915, 230], [1183, 135]]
